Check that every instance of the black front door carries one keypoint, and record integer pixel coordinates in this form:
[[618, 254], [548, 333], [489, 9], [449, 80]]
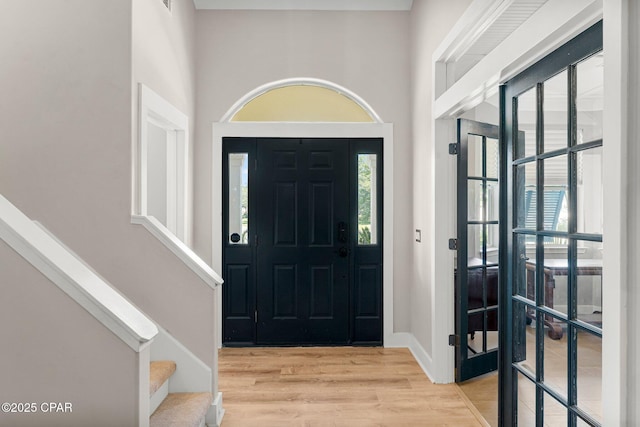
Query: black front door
[[303, 257], [303, 244]]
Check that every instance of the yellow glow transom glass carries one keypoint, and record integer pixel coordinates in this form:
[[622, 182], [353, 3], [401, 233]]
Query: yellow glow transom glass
[[302, 103]]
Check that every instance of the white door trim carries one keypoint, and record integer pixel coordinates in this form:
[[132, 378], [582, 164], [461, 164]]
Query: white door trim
[[309, 130]]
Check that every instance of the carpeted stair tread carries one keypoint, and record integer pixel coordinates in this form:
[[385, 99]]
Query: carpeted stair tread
[[161, 370], [181, 410]]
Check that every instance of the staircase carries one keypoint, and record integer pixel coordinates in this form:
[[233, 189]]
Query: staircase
[[179, 393], [174, 409]]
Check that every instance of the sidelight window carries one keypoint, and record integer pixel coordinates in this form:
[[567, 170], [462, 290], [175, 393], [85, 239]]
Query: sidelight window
[[367, 199], [238, 198]]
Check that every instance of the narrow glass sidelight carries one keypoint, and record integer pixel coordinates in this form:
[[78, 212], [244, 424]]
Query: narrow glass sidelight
[[367, 199], [238, 198]]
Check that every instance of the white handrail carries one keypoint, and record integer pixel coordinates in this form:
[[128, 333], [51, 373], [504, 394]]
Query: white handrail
[[74, 277], [181, 250]]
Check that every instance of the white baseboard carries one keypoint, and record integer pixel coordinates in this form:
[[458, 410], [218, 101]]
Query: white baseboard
[[216, 412], [398, 340], [408, 340]]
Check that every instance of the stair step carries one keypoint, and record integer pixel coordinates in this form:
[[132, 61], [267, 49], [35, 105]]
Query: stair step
[[182, 410], [160, 372]]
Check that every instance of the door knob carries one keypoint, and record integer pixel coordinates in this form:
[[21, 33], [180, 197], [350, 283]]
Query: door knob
[[343, 252]]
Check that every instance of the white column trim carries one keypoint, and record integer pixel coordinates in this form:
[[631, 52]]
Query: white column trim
[[614, 176]]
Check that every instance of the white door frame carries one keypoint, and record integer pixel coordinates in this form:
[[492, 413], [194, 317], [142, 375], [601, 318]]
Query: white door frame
[[309, 130]]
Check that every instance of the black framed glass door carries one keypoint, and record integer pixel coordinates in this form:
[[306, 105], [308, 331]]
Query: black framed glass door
[[551, 239], [477, 254]]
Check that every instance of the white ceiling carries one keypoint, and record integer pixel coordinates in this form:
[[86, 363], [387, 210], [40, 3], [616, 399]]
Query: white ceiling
[[304, 4]]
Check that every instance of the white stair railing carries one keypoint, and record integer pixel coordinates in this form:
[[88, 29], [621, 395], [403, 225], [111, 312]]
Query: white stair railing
[[74, 277]]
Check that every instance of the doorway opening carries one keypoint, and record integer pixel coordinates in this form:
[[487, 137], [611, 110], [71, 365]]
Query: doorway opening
[[286, 126]]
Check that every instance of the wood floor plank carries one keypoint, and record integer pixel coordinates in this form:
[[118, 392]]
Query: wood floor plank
[[343, 386]]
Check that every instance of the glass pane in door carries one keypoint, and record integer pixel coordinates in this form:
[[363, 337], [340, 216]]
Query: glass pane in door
[[556, 184], [556, 366], [526, 196], [475, 202], [238, 198], [555, 413], [589, 98], [589, 210], [527, 121], [367, 199], [474, 153], [524, 337], [589, 282], [589, 374], [556, 91], [475, 238], [525, 267], [556, 274], [493, 158], [526, 402]]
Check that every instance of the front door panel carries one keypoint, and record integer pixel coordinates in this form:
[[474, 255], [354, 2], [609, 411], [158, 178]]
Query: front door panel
[[303, 296]]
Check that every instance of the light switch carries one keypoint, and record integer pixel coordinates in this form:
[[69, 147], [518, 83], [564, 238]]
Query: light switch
[[418, 236]]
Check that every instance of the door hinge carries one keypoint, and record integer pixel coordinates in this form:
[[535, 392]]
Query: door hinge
[[453, 244], [453, 148], [255, 315], [454, 341], [256, 240], [255, 164]]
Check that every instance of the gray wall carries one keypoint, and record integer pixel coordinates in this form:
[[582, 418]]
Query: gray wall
[[66, 115], [431, 20], [633, 213], [157, 173], [53, 350], [366, 52]]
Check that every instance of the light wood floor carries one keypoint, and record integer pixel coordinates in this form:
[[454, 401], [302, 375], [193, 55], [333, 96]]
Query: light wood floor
[[346, 386]]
